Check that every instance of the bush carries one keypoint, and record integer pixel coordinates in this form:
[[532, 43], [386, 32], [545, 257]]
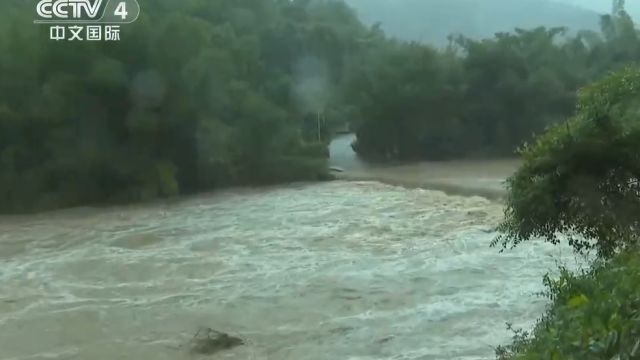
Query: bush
[[580, 178], [593, 315]]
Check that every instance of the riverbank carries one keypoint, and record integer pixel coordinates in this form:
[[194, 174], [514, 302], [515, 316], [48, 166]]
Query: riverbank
[[484, 178]]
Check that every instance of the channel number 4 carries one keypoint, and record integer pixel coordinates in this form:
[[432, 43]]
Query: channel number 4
[[121, 10]]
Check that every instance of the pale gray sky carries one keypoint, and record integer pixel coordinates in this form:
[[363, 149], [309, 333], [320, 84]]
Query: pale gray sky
[[604, 6]]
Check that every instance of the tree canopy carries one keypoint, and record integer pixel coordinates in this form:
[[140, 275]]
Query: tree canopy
[[581, 178], [197, 94], [482, 97], [580, 181]]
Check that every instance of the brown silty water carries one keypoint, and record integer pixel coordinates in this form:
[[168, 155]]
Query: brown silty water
[[484, 178], [340, 270]]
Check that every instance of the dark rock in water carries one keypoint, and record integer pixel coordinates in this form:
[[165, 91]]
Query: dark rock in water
[[477, 213], [341, 330], [385, 339], [490, 230], [208, 341]]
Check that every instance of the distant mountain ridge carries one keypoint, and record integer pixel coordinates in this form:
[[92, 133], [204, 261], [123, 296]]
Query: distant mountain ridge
[[431, 21]]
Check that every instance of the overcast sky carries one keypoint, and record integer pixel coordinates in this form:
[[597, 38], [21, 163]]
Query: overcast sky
[[633, 6]]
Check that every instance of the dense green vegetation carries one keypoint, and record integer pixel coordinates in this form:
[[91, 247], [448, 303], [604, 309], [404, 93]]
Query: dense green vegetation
[[581, 177], [594, 315], [579, 181], [482, 98], [198, 94]]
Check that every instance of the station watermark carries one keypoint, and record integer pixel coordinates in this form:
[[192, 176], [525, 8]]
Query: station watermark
[[86, 20]]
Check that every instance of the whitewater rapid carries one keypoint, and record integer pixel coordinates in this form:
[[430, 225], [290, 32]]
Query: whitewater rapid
[[340, 270]]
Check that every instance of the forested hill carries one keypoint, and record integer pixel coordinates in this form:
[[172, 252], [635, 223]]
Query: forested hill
[[432, 21]]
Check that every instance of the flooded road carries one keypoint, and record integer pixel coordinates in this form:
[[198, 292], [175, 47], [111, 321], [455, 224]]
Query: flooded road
[[340, 270]]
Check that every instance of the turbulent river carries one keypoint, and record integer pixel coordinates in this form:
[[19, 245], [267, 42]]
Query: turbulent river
[[340, 270]]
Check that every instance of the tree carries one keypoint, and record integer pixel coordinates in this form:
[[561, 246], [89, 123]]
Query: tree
[[581, 178], [197, 95], [487, 96]]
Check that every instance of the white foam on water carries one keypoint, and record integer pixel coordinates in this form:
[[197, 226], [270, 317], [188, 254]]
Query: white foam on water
[[329, 271]]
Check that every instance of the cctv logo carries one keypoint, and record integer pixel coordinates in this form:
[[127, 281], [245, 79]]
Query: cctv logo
[[60, 9]]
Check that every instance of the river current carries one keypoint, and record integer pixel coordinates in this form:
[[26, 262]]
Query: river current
[[340, 270], [353, 270]]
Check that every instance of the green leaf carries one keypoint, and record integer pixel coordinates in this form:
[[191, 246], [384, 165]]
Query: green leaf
[[578, 301]]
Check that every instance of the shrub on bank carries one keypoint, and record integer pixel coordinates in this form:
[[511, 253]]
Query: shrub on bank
[[593, 315]]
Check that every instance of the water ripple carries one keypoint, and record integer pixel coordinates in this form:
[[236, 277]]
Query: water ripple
[[331, 271]]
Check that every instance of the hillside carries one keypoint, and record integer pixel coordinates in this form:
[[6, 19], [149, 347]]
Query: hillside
[[433, 20]]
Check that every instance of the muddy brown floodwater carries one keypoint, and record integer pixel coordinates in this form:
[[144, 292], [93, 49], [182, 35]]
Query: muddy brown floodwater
[[461, 177], [340, 270]]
